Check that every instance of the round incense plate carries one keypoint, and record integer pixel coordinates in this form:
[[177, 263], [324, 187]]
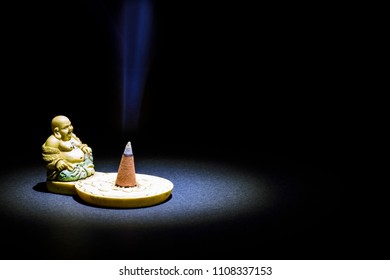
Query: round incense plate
[[100, 190]]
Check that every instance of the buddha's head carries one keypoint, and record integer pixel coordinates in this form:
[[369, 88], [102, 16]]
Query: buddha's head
[[62, 128]]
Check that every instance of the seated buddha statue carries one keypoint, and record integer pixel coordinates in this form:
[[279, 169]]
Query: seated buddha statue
[[66, 158]]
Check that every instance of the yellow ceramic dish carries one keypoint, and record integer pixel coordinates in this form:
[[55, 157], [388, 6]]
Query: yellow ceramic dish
[[100, 189]]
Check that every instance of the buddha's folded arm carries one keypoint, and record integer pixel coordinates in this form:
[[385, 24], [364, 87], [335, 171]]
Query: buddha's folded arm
[[50, 156]]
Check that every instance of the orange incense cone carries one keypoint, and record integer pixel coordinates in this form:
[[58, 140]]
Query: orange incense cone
[[126, 171]]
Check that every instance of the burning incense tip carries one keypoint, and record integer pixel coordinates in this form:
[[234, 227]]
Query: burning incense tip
[[128, 150]]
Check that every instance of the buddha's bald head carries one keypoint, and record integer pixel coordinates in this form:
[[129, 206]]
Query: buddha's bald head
[[59, 121], [62, 127]]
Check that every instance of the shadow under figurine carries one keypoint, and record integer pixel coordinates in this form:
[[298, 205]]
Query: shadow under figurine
[[66, 158]]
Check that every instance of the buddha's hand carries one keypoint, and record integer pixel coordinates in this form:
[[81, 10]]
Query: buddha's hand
[[86, 149], [63, 165]]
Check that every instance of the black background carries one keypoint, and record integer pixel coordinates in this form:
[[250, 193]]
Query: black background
[[236, 80], [271, 78]]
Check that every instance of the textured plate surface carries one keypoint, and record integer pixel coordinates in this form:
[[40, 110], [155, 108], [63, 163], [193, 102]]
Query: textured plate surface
[[100, 190]]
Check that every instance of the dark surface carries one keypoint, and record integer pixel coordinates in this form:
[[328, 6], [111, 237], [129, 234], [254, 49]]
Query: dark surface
[[218, 210], [273, 91]]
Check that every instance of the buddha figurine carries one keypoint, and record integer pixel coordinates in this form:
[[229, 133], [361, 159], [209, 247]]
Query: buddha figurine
[[66, 158]]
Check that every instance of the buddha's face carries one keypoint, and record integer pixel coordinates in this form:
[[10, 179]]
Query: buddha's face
[[65, 129]]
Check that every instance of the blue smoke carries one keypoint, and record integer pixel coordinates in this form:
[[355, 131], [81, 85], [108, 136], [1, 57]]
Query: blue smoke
[[137, 24]]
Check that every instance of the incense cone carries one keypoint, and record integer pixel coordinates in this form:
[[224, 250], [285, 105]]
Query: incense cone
[[126, 171]]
